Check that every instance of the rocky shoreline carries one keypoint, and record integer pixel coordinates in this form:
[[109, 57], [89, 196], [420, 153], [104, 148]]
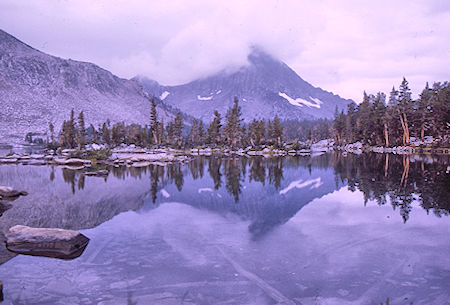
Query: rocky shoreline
[[138, 157], [133, 156], [358, 148]]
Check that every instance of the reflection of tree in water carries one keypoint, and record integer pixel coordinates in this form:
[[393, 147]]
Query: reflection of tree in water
[[69, 177], [392, 178], [52, 174], [197, 166], [175, 175], [156, 176], [123, 172], [257, 170], [214, 165], [81, 182], [275, 172], [232, 169]]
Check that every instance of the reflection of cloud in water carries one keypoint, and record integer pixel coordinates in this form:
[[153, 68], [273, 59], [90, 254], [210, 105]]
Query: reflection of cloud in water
[[299, 184]]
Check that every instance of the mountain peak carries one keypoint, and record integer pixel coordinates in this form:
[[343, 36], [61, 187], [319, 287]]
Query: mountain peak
[[266, 88]]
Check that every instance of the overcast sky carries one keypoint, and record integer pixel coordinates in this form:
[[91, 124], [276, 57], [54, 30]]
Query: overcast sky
[[344, 46]]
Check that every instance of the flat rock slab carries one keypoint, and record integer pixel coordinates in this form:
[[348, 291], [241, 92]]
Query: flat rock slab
[[7, 192], [57, 243]]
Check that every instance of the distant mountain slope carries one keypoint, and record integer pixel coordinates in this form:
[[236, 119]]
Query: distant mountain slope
[[266, 87], [36, 89]]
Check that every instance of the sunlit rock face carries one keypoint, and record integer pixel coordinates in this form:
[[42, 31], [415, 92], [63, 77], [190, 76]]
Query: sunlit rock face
[[266, 87], [36, 89]]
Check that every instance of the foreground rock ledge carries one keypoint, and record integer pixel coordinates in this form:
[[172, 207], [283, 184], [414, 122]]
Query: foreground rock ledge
[[57, 243]]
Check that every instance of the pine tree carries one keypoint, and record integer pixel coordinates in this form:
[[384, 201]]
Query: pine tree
[[440, 107], [252, 133], [338, 126], [118, 133], [378, 114], [154, 123], [193, 134], [93, 133], [177, 129], [201, 133], [392, 124], [214, 130], [106, 135], [363, 120], [233, 129], [68, 132], [404, 108], [277, 130], [161, 134], [170, 133], [423, 117], [81, 134], [350, 122]]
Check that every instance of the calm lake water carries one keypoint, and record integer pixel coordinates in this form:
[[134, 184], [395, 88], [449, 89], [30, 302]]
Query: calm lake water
[[329, 229]]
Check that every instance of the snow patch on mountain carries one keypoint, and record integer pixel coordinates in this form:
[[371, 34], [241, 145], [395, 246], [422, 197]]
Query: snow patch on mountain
[[319, 102], [204, 98], [298, 101], [219, 91], [164, 95]]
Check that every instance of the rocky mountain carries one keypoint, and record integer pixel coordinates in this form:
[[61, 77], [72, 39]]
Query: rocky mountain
[[265, 87], [37, 88]]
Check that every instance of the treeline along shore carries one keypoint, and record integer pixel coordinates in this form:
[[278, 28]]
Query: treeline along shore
[[398, 124], [399, 121]]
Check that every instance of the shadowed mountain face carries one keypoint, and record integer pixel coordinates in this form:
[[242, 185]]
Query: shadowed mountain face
[[265, 87], [36, 89]]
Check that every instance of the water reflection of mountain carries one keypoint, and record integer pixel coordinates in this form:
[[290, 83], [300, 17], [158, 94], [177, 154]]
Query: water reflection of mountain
[[267, 192]]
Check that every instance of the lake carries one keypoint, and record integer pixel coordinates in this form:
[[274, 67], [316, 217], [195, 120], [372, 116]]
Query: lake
[[327, 229]]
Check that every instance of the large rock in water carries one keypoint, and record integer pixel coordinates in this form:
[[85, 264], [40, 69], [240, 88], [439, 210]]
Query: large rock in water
[[57, 243]]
